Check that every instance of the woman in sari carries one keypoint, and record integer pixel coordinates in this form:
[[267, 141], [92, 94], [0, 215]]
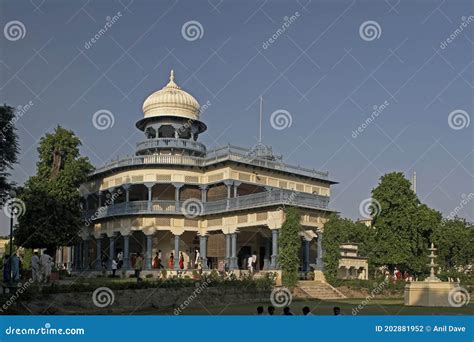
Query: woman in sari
[[171, 261], [181, 261]]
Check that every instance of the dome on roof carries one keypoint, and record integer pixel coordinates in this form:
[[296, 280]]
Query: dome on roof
[[171, 100]]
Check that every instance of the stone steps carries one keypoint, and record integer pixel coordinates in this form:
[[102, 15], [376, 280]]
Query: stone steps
[[319, 290]]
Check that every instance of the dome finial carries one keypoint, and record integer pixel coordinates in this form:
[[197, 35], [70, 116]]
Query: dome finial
[[172, 83], [172, 76]]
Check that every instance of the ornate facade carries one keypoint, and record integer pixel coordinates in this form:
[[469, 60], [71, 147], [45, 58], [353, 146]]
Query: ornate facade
[[176, 196]]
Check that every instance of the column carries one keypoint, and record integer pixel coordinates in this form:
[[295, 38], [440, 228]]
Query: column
[[86, 203], [319, 257], [111, 249], [99, 199], [76, 257], [203, 193], [266, 258], [228, 184], [236, 186], [126, 187], [148, 252], [176, 252], [233, 257], [98, 258], [227, 249], [305, 255], [203, 250], [60, 256], [274, 257], [150, 194], [69, 256], [126, 248], [112, 196], [80, 255], [177, 186]]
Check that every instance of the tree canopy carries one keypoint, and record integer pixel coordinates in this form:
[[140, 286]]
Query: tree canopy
[[9, 148], [53, 214]]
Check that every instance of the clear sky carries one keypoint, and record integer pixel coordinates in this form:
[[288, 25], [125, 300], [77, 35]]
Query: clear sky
[[323, 68]]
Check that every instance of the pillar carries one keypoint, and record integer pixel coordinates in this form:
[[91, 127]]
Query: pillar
[[305, 267], [99, 202], [177, 186], [150, 195], [111, 250], [148, 252], [227, 249], [233, 257], [228, 184], [203, 250], [126, 248], [274, 257], [266, 258], [126, 187], [204, 189], [319, 257], [69, 256], [176, 252], [236, 186], [98, 261]]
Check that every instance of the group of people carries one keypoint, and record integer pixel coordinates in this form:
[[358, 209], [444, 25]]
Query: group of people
[[41, 267], [287, 311]]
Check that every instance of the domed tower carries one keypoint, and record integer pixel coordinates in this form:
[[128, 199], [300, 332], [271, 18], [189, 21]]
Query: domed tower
[[171, 123]]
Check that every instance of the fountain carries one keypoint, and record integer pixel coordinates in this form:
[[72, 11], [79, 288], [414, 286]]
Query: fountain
[[432, 291]]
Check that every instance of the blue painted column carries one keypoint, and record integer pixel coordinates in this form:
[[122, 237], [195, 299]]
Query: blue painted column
[[86, 254], [111, 250], [176, 252], [204, 189], [319, 257], [305, 255], [126, 187], [227, 249], [203, 251], [98, 243], [266, 258], [228, 184], [126, 248], [177, 186], [274, 257], [148, 252], [233, 258], [150, 194]]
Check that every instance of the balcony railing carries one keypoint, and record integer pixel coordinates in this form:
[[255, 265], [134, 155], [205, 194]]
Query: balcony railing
[[262, 199], [165, 143], [218, 155]]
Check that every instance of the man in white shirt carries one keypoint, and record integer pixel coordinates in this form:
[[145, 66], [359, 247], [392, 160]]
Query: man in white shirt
[[35, 268], [250, 264], [254, 261], [45, 266]]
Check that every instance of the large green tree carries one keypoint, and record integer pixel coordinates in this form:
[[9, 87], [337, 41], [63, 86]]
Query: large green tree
[[403, 226], [289, 245], [53, 215], [8, 147]]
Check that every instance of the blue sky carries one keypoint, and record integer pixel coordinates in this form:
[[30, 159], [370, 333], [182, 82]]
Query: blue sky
[[323, 70]]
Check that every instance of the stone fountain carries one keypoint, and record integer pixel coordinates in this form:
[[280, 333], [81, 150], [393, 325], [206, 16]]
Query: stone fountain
[[432, 291]]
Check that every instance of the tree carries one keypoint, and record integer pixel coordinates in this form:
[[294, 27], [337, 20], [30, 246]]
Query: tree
[[289, 246], [53, 214], [403, 226], [9, 148], [337, 231]]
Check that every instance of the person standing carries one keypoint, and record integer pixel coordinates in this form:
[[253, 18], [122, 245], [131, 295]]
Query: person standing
[[199, 265], [45, 267], [196, 259], [120, 259], [171, 261], [156, 261], [114, 267], [35, 268], [250, 264], [254, 261], [181, 261], [15, 268], [6, 268], [138, 266]]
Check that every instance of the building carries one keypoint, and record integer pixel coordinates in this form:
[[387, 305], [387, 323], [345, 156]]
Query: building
[[351, 265], [176, 196]]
